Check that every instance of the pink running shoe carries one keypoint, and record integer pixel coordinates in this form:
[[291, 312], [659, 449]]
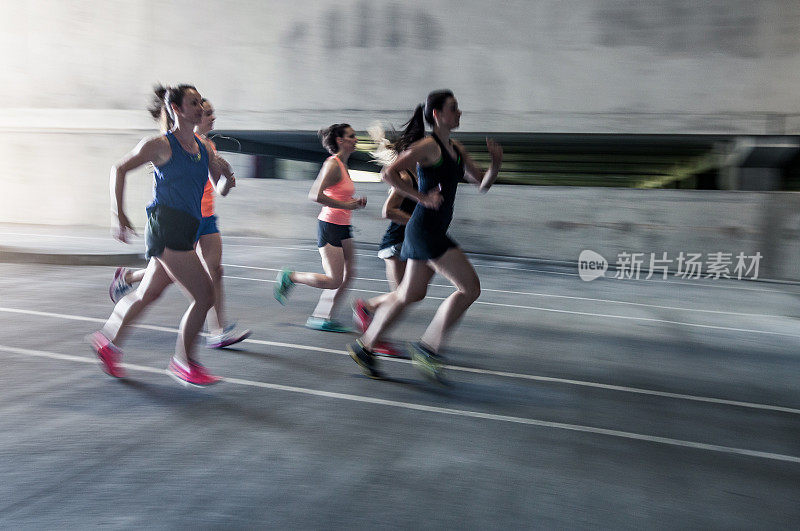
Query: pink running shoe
[[361, 316], [195, 374], [110, 356], [388, 350]]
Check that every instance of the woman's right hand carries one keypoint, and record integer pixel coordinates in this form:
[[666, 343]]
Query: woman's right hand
[[357, 203], [432, 200], [124, 231]]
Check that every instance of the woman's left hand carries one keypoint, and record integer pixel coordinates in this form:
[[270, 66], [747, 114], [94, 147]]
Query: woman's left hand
[[230, 182], [495, 150]]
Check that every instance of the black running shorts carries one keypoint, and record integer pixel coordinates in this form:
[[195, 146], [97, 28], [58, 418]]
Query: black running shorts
[[332, 234], [169, 228]]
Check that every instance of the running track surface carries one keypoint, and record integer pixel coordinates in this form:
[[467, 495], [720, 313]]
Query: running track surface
[[613, 403]]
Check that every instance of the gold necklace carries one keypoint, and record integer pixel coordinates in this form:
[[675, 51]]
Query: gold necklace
[[194, 157]]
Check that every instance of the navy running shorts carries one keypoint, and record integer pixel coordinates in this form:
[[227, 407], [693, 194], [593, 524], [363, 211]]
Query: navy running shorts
[[332, 234], [208, 225]]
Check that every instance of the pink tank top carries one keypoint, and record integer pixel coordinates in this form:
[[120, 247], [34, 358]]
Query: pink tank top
[[341, 191]]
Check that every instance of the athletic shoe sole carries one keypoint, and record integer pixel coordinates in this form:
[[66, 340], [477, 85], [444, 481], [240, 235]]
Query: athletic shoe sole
[[188, 384], [229, 342], [328, 326], [430, 369], [386, 350], [366, 368], [111, 368], [182, 381]]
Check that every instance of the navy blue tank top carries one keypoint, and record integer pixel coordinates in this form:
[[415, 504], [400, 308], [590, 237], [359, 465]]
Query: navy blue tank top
[[179, 183]]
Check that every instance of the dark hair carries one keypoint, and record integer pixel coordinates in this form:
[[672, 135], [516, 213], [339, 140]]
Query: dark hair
[[160, 108], [329, 135], [414, 129]]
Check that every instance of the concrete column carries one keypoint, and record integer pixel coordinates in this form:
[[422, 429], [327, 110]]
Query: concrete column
[[265, 167], [754, 163]]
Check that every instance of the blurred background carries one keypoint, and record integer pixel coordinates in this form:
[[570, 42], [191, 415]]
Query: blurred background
[[657, 127], [665, 94]]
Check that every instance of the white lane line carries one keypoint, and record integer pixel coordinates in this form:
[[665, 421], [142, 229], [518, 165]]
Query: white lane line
[[373, 255], [288, 248], [685, 282], [688, 282], [442, 410], [583, 314], [563, 381], [60, 236], [459, 368], [635, 390], [549, 295], [643, 319]]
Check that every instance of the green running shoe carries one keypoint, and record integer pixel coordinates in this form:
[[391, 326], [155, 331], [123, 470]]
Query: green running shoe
[[284, 286], [430, 364]]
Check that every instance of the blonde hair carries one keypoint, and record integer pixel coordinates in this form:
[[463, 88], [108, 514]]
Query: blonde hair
[[384, 153]]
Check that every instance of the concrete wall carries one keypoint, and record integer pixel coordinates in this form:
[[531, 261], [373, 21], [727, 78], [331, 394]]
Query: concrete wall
[[660, 66], [76, 78], [558, 223]]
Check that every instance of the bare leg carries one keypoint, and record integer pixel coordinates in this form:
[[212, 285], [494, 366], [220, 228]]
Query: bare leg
[[395, 268], [456, 268], [330, 298], [209, 247], [128, 308], [132, 277], [332, 263], [185, 268], [413, 288]]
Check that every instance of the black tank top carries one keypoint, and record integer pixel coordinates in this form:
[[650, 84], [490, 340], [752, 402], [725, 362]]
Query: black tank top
[[444, 175], [396, 232]]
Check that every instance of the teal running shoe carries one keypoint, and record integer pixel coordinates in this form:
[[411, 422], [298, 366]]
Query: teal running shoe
[[283, 286], [327, 325]]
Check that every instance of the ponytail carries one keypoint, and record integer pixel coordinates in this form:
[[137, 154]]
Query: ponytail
[[415, 127], [414, 130], [385, 152], [160, 107], [328, 136]]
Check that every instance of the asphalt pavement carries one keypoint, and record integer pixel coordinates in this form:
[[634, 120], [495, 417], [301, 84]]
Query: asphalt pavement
[[607, 404]]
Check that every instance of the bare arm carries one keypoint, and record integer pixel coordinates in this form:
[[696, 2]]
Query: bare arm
[[424, 152], [328, 176], [219, 170], [155, 150], [391, 207], [474, 173]]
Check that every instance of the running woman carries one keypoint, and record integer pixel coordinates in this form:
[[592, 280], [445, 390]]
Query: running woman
[[398, 210], [333, 189], [209, 247], [440, 163], [182, 162]]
